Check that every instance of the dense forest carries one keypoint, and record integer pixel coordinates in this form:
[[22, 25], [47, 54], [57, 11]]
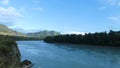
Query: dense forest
[[111, 38]]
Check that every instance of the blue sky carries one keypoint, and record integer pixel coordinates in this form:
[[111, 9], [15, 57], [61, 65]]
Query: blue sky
[[65, 16]]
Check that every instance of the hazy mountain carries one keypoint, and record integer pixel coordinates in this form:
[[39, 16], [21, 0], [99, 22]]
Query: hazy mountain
[[43, 34], [4, 30]]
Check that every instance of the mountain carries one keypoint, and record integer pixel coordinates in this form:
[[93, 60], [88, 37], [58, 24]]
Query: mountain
[[43, 34], [4, 30]]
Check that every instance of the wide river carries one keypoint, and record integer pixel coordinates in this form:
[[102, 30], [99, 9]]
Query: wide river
[[45, 55]]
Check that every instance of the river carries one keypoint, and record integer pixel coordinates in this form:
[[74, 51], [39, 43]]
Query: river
[[45, 55]]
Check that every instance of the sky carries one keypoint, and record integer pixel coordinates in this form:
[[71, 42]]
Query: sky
[[65, 16]]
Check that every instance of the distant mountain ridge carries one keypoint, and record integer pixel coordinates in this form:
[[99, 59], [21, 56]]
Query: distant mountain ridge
[[43, 34], [4, 30]]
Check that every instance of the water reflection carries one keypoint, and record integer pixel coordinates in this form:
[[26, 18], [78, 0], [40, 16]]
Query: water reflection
[[90, 48], [109, 55]]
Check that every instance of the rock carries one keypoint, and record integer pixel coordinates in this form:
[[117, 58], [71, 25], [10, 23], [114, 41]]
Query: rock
[[26, 64]]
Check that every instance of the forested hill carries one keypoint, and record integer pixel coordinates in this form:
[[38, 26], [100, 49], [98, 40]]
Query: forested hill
[[43, 34], [102, 38], [4, 30]]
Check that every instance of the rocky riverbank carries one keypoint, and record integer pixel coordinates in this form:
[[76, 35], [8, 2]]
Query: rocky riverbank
[[10, 56]]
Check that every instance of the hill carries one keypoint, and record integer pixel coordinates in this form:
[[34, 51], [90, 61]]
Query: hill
[[43, 34], [4, 30]]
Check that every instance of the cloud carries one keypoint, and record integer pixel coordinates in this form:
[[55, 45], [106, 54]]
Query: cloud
[[10, 11], [114, 19], [119, 4], [111, 2], [5, 2], [9, 15], [102, 8], [74, 32], [37, 9]]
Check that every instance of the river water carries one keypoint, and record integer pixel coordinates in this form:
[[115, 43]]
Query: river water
[[45, 55]]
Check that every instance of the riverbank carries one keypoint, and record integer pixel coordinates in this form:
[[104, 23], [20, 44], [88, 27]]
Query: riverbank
[[10, 56]]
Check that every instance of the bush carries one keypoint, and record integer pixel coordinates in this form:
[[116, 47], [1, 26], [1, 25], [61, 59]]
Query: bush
[[8, 42], [4, 48]]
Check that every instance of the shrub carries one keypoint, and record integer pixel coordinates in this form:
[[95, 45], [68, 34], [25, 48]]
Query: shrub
[[4, 48]]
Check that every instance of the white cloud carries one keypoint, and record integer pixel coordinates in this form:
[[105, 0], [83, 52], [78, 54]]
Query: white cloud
[[9, 14], [4, 1], [114, 19], [37, 9], [74, 32], [111, 2], [102, 8], [119, 4], [10, 11]]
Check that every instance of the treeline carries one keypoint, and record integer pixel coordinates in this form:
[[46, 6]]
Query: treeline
[[112, 38], [17, 38]]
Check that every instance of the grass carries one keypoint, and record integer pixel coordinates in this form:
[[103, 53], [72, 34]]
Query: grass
[[5, 45]]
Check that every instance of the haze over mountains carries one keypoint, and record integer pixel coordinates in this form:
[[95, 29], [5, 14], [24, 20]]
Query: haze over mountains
[[43, 34], [4, 30]]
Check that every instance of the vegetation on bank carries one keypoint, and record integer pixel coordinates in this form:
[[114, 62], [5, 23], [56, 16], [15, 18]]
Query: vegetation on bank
[[5, 45], [112, 38], [9, 53]]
